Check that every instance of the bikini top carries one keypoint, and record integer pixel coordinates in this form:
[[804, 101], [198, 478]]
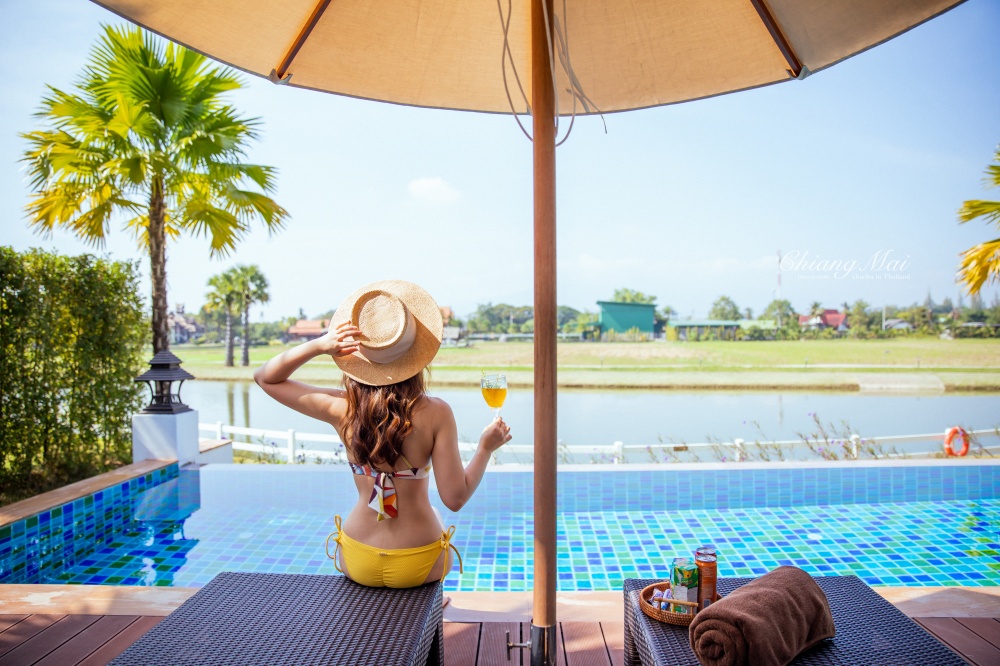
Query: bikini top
[[383, 498]]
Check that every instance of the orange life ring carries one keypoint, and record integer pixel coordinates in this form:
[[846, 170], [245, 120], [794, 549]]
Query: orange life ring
[[949, 437]]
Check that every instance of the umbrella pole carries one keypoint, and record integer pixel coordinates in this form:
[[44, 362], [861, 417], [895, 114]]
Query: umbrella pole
[[543, 620]]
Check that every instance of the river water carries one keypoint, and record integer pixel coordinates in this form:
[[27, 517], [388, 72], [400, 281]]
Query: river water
[[648, 417]]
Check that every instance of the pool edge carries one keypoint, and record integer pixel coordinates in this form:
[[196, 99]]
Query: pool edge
[[33, 506]]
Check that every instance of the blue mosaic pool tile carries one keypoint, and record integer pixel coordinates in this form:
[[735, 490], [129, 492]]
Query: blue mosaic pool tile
[[38, 547], [612, 525], [734, 488]]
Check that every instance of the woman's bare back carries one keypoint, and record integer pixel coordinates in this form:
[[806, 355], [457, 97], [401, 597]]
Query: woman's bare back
[[417, 523]]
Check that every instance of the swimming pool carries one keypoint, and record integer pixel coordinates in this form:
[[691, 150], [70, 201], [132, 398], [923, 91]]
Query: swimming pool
[[911, 523]]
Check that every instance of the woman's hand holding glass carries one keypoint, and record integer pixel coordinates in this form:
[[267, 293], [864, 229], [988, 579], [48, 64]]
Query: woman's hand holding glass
[[495, 435]]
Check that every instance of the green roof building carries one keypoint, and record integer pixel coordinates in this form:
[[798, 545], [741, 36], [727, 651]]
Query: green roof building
[[623, 317]]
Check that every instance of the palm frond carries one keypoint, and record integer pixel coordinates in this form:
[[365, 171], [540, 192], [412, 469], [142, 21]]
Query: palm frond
[[222, 228], [976, 208], [132, 168], [993, 174], [139, 227], [980, 265], [72, 112], [249, 205], [84, 213], [131, 122], [263, 176], [216, 136]]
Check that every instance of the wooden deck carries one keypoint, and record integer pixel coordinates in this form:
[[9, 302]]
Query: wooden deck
[[92, 640]]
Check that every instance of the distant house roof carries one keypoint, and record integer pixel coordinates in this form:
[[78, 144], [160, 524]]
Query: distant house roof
[[307, 327], [901, 324], [835, 319], [829, 319]]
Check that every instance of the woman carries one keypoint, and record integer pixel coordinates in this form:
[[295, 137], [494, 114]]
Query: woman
[[382, 337]]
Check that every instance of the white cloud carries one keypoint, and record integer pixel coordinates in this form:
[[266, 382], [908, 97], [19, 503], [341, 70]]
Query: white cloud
[[434, 190]]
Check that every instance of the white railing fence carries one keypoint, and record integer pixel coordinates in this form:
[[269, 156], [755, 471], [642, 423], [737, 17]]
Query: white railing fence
[[290, 446]]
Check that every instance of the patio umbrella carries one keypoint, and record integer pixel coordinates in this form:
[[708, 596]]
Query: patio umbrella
[[543, 58]]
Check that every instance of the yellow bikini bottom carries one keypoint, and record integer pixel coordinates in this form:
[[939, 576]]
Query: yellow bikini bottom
[[400, 567]]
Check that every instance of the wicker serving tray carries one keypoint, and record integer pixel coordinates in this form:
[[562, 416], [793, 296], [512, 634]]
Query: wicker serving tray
[[670, 617]]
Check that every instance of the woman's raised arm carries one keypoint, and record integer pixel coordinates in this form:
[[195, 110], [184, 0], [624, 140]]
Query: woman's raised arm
[[315, 401]]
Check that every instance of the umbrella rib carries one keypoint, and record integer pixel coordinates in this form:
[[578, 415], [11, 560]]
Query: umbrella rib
[[293, 50], [779, 37]]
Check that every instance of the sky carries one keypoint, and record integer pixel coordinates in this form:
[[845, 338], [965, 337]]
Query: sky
[[853, 174]]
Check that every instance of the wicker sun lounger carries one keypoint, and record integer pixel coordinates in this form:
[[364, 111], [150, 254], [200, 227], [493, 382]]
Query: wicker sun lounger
[[274, 619], [870, 630]]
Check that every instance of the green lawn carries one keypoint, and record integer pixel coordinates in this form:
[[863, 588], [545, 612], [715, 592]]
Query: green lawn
[[922, 352], [835, 364]]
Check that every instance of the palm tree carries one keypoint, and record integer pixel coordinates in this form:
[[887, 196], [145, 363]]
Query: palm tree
[[252, 287], [224, 296], [147, 135], [981, 264]]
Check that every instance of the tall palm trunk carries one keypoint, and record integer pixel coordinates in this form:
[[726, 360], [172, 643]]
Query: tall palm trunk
[[246, 335], [229, 336], [158, 266]]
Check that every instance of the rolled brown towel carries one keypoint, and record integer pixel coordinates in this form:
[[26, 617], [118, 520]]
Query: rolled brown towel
[[767, 622]]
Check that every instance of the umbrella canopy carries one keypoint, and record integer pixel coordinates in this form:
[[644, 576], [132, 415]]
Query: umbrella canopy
[[540, 57], [627, 54]]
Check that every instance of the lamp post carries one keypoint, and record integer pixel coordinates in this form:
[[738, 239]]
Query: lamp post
[[166, 429], [163, 372]]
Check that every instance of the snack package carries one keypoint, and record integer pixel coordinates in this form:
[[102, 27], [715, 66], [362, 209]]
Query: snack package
[[683, 584], [660, 599]]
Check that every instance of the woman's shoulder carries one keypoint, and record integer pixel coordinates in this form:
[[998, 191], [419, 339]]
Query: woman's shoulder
[[435, 406], [434, 414]]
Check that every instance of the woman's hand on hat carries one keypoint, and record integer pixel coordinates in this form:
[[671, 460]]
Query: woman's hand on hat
[[495, 435], [340, 341]]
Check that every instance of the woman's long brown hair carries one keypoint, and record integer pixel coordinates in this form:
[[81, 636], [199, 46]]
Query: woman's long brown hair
[[379, 418]]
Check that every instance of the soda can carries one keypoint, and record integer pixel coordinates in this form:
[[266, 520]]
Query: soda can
[[707, 576]]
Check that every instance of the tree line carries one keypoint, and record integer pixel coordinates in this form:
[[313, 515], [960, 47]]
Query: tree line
[[863, 319], [225, 316]]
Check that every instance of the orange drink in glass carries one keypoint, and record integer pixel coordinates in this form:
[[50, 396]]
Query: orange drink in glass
[[494, 391]]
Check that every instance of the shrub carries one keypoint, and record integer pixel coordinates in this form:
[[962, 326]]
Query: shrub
[[72, 336]]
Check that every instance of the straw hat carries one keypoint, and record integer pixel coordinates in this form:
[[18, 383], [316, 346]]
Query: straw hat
[[401, 326]]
